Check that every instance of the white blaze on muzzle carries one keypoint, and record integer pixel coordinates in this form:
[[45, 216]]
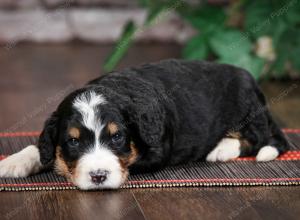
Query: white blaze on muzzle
[[99, 161]]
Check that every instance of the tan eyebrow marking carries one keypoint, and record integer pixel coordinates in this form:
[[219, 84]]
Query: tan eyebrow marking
[[74, 132], [112, 128]]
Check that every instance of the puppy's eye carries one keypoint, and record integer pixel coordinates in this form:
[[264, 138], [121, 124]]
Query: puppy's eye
[[74, 142], [116, 138]]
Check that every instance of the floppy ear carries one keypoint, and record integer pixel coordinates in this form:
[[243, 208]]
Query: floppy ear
[[48, 140], [148, 118]]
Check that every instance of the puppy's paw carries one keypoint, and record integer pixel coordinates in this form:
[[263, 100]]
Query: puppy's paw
[[227, 149], [267, 153], [21, 164]]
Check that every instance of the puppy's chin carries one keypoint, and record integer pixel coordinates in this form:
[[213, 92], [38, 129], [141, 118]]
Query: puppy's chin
[[84, 182], [114, 180], [99, 169]]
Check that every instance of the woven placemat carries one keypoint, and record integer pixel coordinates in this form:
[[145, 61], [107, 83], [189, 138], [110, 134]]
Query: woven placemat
[[241, 172]]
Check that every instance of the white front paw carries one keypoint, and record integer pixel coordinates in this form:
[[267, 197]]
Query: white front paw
[[21, 164], [267, 153], [227, 149]]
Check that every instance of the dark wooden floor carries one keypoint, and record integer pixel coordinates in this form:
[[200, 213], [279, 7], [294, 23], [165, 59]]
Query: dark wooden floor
[[33, 81]]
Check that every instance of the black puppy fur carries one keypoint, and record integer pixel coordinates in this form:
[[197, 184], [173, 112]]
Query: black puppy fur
[[174, 111]]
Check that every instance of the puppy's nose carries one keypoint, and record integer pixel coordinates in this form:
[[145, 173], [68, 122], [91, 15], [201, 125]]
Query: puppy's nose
[[98, 176]]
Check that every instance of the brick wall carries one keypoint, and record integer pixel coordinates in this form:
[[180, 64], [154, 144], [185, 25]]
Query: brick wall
[[87, 20]]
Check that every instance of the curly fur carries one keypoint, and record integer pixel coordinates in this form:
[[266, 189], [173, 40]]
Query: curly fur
[[174, 111]]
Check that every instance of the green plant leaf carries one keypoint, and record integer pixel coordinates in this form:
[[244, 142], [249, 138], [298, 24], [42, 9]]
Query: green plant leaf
[[230, 43], [251, 63], [295, 58], [196, 48], [144, 3], [293, 15], [207, 19], [278, 31], [278, 67], [121, 47], [287, 50], [257, 18], [153, 13], [157, 8]]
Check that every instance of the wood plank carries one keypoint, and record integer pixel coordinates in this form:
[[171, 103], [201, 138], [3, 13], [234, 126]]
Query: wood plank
[[273, 202], [193, 203], [69, 205]]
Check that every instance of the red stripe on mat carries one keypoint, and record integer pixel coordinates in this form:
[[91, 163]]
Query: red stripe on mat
[[20, 134], [36, 184], [37, 133], [289, 155], [213, 180], [165, 181], [291, 130]]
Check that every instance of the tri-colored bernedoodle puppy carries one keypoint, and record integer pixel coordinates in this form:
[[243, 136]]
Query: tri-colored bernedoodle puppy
[[144, 118]]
